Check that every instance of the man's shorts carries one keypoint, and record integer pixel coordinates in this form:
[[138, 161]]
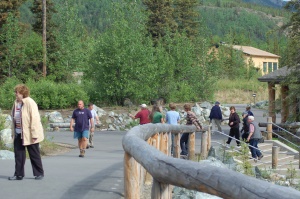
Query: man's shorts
[[80, 135]]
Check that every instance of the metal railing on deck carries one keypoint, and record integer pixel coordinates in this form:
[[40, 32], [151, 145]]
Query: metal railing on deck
[[141, 158]]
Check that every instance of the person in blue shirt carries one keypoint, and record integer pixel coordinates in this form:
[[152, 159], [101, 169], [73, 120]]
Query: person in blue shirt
[[82, 118], [172, 117], [248, 109]]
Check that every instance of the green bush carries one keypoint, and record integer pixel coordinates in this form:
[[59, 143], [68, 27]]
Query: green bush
[[47, 94]]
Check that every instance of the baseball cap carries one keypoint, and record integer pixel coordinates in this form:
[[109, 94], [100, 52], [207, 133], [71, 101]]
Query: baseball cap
[[216, 103], [143, 105]]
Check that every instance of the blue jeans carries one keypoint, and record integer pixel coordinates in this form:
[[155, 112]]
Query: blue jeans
[[255, 153]]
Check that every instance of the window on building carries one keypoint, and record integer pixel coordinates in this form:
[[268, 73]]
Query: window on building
[[275, 66], [265, 67], [270, 67]]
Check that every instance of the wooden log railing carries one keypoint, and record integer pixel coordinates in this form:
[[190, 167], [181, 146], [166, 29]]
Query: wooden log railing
[[192, 175]]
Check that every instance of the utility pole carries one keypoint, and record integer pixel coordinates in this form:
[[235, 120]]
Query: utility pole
[[44, 39]]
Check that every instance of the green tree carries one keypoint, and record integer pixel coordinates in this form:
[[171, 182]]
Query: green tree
[[13, 53], [160, 18], [187, 17], [9, 6], [123, 62], [52, 45], [293, 57]]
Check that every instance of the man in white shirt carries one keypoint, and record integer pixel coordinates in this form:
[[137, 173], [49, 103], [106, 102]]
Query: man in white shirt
[[96, 120]]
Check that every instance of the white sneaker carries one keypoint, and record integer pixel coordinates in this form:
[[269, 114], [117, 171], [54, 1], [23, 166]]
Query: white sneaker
[[238, 147]]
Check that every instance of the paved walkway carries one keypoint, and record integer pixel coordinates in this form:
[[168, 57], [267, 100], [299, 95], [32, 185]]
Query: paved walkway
[[98, 175]]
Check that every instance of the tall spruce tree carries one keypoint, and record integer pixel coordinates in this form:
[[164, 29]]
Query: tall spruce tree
[[187, 17], [293, 60], [52, 46], [160, 20]]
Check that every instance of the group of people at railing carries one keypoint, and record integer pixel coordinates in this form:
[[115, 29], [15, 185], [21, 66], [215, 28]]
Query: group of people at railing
[[172, 117]]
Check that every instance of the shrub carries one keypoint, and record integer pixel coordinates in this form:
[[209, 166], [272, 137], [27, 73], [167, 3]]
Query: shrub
[[47, 94]]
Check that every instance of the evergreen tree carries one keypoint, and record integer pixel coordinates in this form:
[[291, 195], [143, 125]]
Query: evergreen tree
[[52, 46], [293, 60], [7, 6], [187, 17], [160, 20]]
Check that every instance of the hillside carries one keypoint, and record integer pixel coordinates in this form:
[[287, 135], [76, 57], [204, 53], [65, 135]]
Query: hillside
[[270, 3]]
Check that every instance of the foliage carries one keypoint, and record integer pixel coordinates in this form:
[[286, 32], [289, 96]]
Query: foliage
[[123, 62], [46, 93], [37, 26], [75, 42], [51, 95], [160, 20], [244, 157], [293, 56], [8, 6], [187, 17]]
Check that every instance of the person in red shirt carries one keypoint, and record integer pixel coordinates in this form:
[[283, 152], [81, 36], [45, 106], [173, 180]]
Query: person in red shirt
[[143, 115]]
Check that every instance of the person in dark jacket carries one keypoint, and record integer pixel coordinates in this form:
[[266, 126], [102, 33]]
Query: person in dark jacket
[[248, 110], [216, 116], [234, 123], [245, 128]]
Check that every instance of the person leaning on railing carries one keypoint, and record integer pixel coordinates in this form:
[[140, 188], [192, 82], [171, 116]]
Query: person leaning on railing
[[190, 120]]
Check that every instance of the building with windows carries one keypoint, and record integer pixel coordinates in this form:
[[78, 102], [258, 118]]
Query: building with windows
[[264, 61]]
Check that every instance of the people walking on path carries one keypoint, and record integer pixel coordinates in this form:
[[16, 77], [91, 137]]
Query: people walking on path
[[96, 120], [245, 128], [216, 116], [143, 115], [190, 120], [27, 132], [234, 123], [172, 117], [156, 115], [248, 110], [82, 118], [253, 138]]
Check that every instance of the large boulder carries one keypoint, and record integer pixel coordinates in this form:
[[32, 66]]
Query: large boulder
[[55, 117], [5, 136], [206, 105]]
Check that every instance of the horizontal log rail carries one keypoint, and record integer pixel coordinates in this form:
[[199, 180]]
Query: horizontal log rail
[[192, 175]]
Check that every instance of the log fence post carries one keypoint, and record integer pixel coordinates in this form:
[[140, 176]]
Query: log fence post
[[204, 145], [131, 177], [208, 139], [275, 151], [177, 145], [191, 144], [269, 128]]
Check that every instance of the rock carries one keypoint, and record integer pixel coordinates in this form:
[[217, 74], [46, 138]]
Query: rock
[[206, 105], [212, 152], [108, 121], [67, 120], [56, 117], [121, 119], [298, 132], [213, 162], [111, 114], [200, 195], [277, 177], [100, 112], [8, 121], [5, 136], [197, 110], [111, 128], [206, 113], [6, 155]]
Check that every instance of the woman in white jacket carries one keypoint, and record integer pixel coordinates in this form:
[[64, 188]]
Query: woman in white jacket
[[27, 132]]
